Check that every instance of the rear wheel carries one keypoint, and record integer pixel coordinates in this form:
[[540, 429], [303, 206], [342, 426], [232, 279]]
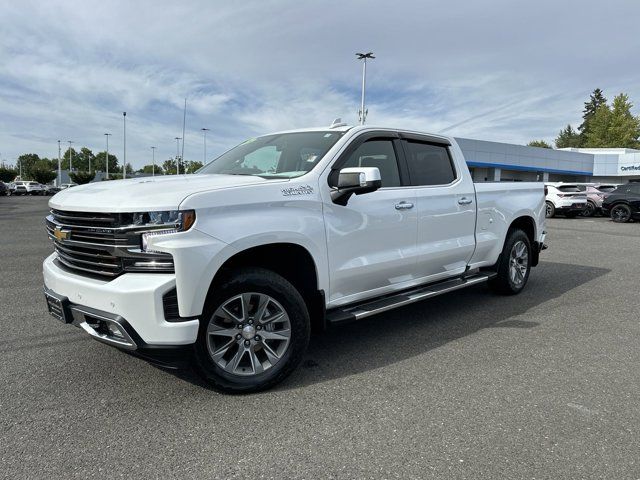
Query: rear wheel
[[254, 332], [514, 264], [551, 210], [590, 210], [621, 213]]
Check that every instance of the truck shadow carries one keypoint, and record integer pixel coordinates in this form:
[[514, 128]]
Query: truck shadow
[[415, 329], [409, 331]]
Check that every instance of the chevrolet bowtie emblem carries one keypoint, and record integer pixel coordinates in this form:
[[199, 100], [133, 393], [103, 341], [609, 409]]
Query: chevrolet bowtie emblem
[[61, 234]]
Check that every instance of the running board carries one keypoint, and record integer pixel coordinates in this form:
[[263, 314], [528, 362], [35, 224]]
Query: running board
[[352, 313]]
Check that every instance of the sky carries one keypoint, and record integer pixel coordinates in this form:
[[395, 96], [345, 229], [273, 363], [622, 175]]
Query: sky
[[502, 70]]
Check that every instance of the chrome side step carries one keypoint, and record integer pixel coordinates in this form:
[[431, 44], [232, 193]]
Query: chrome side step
[[352, 313]]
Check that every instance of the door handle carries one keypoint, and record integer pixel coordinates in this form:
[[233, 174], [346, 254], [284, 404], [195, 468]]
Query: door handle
[[404, 206], [464, 201]]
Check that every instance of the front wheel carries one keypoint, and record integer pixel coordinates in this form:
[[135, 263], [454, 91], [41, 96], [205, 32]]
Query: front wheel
[[514, 264], [621, 213], [254, 332]]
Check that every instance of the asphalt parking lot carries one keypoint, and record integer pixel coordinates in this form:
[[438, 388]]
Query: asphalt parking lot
[[469, 385]]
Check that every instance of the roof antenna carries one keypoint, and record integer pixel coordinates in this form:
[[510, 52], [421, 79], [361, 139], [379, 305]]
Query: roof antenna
[[338, 123]]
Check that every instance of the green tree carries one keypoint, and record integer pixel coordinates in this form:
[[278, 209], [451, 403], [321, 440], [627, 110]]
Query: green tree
[[7, 174], [100, 164], [169, 166], [568, 137], [81, 177], [614, 127], [72, 154], [43, 174], [149, 169], [192, 166], [26, 162], [596, 100], [538, 143]]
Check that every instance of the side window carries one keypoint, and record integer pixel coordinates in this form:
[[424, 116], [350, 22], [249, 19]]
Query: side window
[[635, 188], [429, 164], [377, 153]]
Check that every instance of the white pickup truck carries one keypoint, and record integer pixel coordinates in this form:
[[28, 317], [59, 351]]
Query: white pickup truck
[[229, 269]]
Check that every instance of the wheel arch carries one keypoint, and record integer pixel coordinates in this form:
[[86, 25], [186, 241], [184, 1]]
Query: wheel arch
[[527, 224], [290, 260]]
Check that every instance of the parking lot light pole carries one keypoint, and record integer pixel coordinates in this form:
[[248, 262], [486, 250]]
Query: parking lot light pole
[[204, 156], [124, 156], [178, 155], [70, 156], [59, 167], [106, 175], [363, 56], [153, 161]]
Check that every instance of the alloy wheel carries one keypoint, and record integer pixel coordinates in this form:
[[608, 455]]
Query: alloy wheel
[[620, 213], [248, 334], [518, 262]]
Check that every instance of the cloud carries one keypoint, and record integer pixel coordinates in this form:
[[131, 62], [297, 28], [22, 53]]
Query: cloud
[[501, 70]]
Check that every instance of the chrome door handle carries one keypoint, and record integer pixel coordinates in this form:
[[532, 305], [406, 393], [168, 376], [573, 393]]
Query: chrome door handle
[[464, 201], [404, 206]]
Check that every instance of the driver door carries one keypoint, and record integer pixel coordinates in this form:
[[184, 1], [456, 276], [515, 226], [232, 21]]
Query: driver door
[[372, 240]]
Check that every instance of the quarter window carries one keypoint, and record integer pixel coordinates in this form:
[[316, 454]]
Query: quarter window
[[380, 154], [429, 164]]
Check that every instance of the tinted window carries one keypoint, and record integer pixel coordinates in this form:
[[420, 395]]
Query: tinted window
[[429, 164], [607, 188], [569, 188], [634, 189], [377, 153]]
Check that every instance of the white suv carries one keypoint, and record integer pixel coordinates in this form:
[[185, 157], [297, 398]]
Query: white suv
[[567, 199], [29, 188]]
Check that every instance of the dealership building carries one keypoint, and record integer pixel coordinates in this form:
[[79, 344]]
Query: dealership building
[[493, 161]]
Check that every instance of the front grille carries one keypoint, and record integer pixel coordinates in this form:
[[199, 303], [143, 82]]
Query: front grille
[[102, 244]]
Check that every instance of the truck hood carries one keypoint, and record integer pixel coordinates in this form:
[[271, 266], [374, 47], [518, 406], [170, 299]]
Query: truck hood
[[164, 192]]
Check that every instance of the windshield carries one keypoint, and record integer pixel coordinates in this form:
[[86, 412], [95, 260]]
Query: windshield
[[285, 155]]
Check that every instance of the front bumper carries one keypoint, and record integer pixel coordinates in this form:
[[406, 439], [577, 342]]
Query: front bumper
[[132, 299]]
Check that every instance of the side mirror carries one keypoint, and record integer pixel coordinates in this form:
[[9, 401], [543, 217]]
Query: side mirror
[[355, 180]]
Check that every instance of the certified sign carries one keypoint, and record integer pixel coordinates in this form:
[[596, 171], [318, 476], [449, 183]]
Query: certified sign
[[631, 169]]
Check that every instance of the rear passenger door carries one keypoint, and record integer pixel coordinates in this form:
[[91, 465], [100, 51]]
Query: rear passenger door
[[446, 207]]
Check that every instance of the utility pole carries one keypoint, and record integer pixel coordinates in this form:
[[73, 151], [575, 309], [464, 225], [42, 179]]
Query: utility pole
[[153, 161], [204, 156], [184, 121], [70, 156], [363, 56], [124, 159], [107, 157], [59, 167], [178, 155]]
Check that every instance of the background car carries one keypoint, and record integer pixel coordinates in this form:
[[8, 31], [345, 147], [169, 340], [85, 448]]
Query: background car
[[17, 188], [4, 189], [595, 196], [68, 185], [623, 204], [567, 199]]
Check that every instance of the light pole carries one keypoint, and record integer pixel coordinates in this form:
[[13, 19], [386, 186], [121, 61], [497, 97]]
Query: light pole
[[124, 157], [363, 56], [106, 175], [59, 166], [153, 161], [178, 155], [89, 163], [204, 156], [70, 156]]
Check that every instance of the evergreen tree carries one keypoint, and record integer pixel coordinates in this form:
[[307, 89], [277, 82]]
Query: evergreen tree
[[538, 143], [568, 137], [614, 127], [596, 100]]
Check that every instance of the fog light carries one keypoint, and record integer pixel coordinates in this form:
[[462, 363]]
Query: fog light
[[114, 331]]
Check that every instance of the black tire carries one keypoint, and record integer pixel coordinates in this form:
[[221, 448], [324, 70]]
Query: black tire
[[550, 211], [590, 210], [621, 213], [260, 281], [503, 282]]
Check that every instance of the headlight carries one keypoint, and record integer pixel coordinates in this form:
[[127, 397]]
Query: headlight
[[173, 221]]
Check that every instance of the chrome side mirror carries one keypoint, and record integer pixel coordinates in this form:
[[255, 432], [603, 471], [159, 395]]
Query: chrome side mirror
[[355, 180]]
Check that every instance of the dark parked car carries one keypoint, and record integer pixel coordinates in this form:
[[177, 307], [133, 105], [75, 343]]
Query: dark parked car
[[4, 190], [623, 204]]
